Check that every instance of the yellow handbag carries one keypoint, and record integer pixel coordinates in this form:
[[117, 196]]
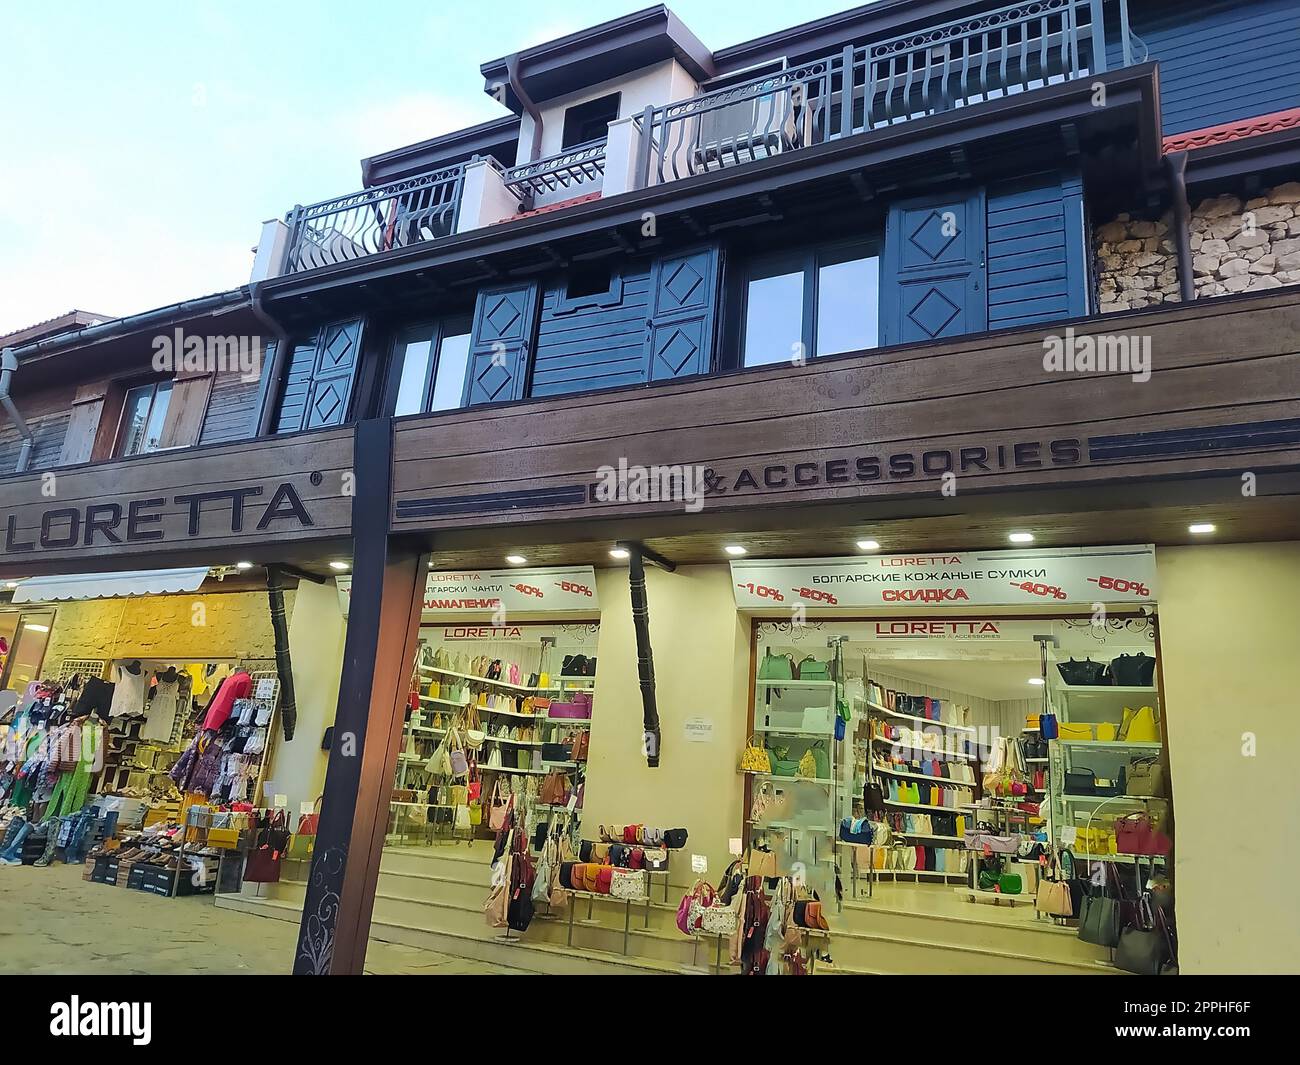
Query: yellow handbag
[[223, 838], [1141, 725], [1106, 730], [755, 759], [1032, 720], [435, 690], [544, 681], [1071, 730], [808, 764]]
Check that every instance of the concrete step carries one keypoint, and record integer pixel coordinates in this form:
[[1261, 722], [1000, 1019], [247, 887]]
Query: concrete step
[[868, 952]]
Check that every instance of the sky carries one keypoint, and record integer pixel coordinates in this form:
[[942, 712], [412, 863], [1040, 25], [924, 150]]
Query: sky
[[142, 144]]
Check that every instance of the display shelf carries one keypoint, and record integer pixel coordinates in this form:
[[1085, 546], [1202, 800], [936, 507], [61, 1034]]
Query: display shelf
[[514, 743], [572, 722], [893, 874], [922, 720], [513, 772], [564, 680], [429, 729], [1120, 859], [1118, 745], [820, 734], [924, 806], [443, 702], [432, 805], [1106, 689], [922, 776], [788, 826], [439, 671], [561, 765], [1139, 799], [947, 755], [507, 713], [1037, 761], [804, 684], [824, 781]]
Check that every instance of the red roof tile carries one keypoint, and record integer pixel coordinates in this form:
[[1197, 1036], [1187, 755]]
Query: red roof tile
[[1233, 131], [553, 207]]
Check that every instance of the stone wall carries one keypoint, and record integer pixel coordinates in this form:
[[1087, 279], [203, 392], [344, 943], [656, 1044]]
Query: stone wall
[[1236, 247]]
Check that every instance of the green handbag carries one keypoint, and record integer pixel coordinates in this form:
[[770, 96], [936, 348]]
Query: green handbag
[[1010, 884], [775, 667], [811, 669], [988, 880], [783, 767]]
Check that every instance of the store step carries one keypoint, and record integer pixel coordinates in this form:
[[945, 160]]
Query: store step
[[1027, 937]]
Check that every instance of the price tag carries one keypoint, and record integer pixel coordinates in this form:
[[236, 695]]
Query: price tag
[[736, 846], [265, 688], [573, 801], [281, 802], [1068, 835], [306, 808], [699, 863]]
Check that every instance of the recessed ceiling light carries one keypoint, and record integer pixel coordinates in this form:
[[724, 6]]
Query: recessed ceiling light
[[1037, 681], [1021, 538], [11, 584], [243, 565], [1201, 527], [619, 552], [868, 545], [338, 565], [37, 628], [516, 560], [734, 549]]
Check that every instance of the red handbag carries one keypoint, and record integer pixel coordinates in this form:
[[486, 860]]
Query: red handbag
[[1135, 834], [263, 864]]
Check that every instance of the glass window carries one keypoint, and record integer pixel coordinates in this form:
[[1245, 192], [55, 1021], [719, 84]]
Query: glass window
[[144, 412], [27, 651], [773, 319], [848, 303], [453, 361], [415, 374]]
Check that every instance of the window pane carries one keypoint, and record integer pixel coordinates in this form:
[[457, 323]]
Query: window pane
[[848, 302], [449, 382], [157, 416], [774, 319], [135, 413], [415, 371]]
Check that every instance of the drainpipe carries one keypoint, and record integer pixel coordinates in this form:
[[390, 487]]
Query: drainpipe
[[1177, 167], [283, 664], [526, 101], [8, 364], [645, 662], [265, 415]]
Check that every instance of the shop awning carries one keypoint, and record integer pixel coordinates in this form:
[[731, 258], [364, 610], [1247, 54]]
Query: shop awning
[[109, 585]]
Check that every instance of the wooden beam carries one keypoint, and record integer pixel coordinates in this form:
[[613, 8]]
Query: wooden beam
[[383, 625]]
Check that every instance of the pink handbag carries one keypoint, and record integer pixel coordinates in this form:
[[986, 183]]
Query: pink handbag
[[579, 708], [1135, 834], [497, 813]]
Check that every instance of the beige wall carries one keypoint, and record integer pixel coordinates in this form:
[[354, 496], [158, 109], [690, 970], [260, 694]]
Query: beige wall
[[701, 653], [1230, 647], [316, 632]]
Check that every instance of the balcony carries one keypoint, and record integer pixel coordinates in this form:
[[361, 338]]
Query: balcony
[[998, 53]]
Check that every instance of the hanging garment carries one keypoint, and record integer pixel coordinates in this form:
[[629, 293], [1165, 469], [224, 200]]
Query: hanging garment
[[235, 686], [198, 678], [128, 693], [162, 711]]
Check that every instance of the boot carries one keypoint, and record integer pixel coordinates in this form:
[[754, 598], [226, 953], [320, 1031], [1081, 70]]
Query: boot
[[13, 854], [15, 824], [53, 826]]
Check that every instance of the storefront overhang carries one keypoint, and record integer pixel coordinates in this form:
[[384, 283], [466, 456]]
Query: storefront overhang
[[913, 434], [283, 499], [59, 588]]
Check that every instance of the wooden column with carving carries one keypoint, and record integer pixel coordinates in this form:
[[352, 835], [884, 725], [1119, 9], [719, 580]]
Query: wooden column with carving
[[383, 624]]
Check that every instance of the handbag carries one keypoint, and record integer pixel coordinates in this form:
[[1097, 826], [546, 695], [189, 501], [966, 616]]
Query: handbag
[[554, 790], [808, 764], [873, 798], [685, 908], [1085, 673], [627, 884], [1145, 949], [821, 759], [776, 667], [1139, 726], [1054, 894], [1080, 782], [1145, 778], [811, 669], [1010, 884], [755, 759], [263, 863], [496, 907], [1136, 834], [1074, 730], [499, 806], [1099, 919], [784, 767], [1133, 671]]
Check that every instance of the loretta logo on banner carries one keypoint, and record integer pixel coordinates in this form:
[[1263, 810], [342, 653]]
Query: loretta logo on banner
[[1078, 576]]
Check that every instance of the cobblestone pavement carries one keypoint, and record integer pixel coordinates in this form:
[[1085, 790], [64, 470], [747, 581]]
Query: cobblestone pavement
[[53, 922]]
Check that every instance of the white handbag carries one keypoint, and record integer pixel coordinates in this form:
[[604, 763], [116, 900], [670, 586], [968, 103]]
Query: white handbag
[[629, 884]]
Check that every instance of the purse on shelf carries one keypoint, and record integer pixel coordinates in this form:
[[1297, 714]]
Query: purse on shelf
[[755, 759], [1145, 778], [809, 668], [1133, 671], [776, 667], [1139, 726], [1084, 674]]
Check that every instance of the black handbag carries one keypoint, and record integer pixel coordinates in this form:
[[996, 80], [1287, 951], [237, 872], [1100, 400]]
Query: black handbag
[[1145, 948], [1133, 671], [873, 798], [1086, 672], [557, 752], [1080, 782], [1099, 921], [675, 838]]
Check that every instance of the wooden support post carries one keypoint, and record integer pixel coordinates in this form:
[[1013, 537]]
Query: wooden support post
[[383, 624]]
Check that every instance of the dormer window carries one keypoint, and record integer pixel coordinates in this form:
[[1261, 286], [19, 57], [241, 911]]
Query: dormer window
[[587, 122]]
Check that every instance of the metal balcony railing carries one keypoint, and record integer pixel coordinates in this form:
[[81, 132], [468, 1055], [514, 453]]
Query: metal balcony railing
[[1006, 50], [583, 165], [388, 216]]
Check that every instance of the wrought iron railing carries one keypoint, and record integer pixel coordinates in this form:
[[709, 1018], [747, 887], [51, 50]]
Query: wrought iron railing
[[579, 166], [395, 215], [996, 53]]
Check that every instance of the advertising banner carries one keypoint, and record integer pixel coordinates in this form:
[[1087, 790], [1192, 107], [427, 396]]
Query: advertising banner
[[563, 589], [1074, 576]]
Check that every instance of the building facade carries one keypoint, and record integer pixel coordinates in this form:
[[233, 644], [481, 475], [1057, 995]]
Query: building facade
[[927, 272]]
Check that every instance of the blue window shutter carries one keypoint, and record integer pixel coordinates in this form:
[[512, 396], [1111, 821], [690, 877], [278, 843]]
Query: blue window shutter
[[500, 341], [679, 325], [934, 279]]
